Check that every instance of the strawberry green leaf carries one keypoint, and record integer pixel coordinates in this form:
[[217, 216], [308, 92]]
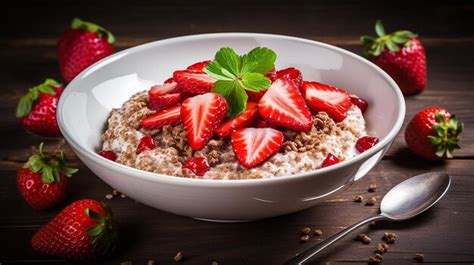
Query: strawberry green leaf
[[379, 29], [392, 46], [24, 106], [103, 235], [255, 82], [46, 89]]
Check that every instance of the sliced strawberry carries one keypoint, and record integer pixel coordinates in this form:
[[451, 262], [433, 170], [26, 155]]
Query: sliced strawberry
[[198, 165], [164, 101], [292, 74], [272, 75], [160, 90], [201, 116], [284, 106], [198, 67], [110, 155], [332, 100], [193, 82], [171, 116], [359, 102], [365, 143], [263, 124], [252, 146], [242, 120], [255, 96], [330, 160], [146, 143]]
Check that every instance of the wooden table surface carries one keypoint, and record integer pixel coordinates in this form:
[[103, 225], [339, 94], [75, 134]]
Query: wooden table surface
[[445, 234]]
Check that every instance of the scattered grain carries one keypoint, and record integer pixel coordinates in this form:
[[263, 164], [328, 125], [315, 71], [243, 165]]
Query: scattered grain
[[304, 239], [389, 237], [109, 196], [123, 196], [115, 192], [358, 198], [381, 248], [372, 187], [306, 231], [364, 238], [370, 201], [419, 257], [178, 257], [318, 232]]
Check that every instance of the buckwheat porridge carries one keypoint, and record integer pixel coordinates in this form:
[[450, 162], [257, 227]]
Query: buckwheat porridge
[[183, 129]]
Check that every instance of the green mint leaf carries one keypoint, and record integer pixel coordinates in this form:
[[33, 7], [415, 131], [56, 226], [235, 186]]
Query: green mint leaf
[[379, 29], [259, 60], [214, 69], [255, 82], [233, 93], [229, 60]]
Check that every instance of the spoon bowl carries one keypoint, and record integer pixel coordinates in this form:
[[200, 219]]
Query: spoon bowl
[[414, 195]]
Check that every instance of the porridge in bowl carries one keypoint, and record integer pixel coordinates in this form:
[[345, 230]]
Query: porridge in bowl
[[236, 117]]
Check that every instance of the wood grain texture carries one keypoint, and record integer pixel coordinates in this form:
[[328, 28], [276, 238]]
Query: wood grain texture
[[444, 234]]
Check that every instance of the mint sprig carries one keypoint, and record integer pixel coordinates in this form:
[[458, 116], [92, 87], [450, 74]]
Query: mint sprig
[[235, 74]]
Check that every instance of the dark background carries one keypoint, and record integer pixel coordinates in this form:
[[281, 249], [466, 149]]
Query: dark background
[[444, 234]]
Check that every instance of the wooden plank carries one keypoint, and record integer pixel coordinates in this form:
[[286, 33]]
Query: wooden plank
[[162, 19], [148, 233]]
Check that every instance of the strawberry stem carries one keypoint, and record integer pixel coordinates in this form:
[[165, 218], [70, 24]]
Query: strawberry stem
[[446, 137], [50, 167], [104, 234], [393, 41], [77, 23]]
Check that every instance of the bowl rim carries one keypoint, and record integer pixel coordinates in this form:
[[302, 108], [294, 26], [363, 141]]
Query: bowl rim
[[150, 176]]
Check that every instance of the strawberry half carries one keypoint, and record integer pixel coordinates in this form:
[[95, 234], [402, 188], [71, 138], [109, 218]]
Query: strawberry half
[[198, 67], [193, 82], [292, 74], [201, 116], [242, 120], [252, 146], [171, 116], [284, 106], [332, 100]]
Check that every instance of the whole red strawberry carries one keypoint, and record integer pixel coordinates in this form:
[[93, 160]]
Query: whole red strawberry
[[37, 109], [82, 45], [434, 133], [399, 54], [44, 180], [82, 231]]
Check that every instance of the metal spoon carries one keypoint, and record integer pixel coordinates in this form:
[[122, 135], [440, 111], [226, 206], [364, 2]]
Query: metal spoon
[[404, 201]]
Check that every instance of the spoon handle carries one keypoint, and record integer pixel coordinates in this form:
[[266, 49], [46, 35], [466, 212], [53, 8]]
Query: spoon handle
[[309, 253]]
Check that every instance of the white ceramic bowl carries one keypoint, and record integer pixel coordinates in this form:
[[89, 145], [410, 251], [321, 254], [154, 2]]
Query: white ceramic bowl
[[88, 99]]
